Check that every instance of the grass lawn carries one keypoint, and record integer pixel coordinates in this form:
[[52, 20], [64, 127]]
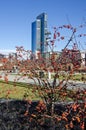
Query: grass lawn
[[11, 91], [26, 91], [75, 77]]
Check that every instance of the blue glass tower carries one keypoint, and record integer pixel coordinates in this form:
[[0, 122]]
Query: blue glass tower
[[39, 29]]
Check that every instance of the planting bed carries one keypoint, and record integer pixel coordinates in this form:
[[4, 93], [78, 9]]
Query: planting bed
[[20, 115]]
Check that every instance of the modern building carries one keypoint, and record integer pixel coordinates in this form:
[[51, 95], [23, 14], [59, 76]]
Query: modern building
[[83, 57], [39, 30]]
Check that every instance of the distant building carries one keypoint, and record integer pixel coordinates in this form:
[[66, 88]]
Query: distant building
[[73, 58], [70, 58], [83, 57], [39, 29], [2, 56]]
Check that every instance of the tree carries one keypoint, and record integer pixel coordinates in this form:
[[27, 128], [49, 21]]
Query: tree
[[59, 89]]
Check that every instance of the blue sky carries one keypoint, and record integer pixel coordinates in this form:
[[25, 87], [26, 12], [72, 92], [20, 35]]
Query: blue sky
[[16, 17]]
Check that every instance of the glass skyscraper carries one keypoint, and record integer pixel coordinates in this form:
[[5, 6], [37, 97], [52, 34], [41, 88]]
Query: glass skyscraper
[[39, 29]]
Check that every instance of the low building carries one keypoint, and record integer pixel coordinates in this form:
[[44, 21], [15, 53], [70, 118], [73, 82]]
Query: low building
[[2, 56], [83, 57]]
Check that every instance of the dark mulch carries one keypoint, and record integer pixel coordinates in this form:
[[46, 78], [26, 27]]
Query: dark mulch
[[12, 116]]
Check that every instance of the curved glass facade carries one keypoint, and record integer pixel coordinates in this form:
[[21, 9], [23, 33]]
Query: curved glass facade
[[39, 28]]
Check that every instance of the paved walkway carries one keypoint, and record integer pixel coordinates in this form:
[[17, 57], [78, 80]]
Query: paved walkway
[[25, 79]]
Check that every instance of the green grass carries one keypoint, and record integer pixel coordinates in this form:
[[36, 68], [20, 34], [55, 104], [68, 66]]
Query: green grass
[[79, 77], [75, 77], [18, 91]]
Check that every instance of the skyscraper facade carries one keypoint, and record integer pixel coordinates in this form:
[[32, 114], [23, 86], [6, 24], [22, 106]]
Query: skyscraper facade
[[39, 30]]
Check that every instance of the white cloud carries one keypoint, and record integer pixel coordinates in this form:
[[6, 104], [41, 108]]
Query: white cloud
[[5, 51]]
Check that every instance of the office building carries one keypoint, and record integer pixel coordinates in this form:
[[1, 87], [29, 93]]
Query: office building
[[39, 30], [83, 57]]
